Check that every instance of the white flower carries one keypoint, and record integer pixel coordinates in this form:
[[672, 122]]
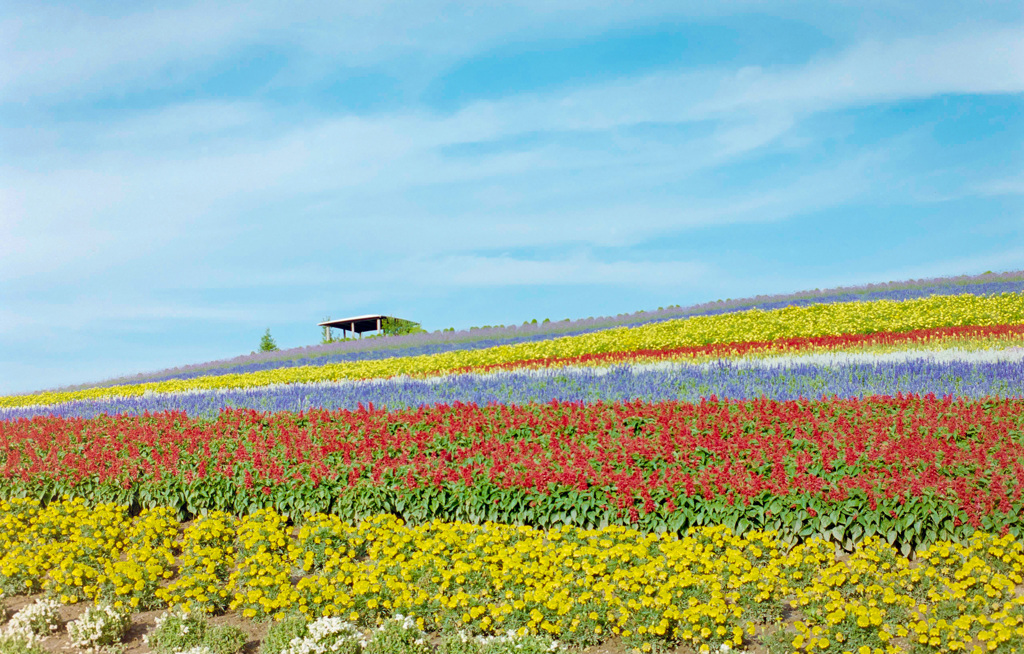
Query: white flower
[[99, 626], [18, 641], [40, 618], [324, 636]]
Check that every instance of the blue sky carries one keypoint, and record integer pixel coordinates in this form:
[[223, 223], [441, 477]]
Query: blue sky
[[175, 178]]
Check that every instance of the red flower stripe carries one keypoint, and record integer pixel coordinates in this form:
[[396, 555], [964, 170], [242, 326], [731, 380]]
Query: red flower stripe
[[782, 345], [966, 453]]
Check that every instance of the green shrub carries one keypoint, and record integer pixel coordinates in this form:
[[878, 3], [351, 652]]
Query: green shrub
[[399, 635], [176, 630], [509, 643], [179, 631], [282, 633], [224, 639], [17, 643]]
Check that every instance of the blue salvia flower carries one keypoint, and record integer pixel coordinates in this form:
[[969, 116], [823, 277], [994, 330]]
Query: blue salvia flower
[[955, 373]]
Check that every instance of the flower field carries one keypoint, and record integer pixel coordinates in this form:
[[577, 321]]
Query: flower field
[[825, 472], [433, 343], [906, 469], [748, 326], [960, 361], [707, 588], [953, 373]]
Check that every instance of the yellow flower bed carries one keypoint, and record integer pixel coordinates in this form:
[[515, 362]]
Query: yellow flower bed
[[74, 552], [930, 345], [655, 591], [754, 325]]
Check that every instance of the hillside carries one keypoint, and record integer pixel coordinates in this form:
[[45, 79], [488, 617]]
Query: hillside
[[474, 338], [830, 471]]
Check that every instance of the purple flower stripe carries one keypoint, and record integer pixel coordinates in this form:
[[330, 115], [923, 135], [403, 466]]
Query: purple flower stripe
[[433, 343], [959, 378]]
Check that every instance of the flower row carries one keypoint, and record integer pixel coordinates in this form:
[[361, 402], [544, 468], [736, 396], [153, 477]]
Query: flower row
[[654, 591], [758, 326], [944, 372], [433, 343], [912, 469], [98, 628], [969, 338]]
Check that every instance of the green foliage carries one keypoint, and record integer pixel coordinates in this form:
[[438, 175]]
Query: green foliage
[[177, 630], [224, 639], [398, 635], [907, 523], [267, 343], [399, 327], [779, 641], [282, 633], [14, 643], [510, 643]]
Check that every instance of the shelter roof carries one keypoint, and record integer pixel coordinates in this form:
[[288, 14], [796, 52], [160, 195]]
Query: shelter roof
[[358, 324]]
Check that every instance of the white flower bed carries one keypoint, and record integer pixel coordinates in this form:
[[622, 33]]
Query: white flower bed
[[25, 631], [41, 618], [99, 628], [327, 635], [510, 643]]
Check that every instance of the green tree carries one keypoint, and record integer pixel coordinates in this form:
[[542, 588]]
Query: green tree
[[267, 343], [399, 327]]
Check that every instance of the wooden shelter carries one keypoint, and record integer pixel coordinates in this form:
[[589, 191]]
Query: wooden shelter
[[358, 324]]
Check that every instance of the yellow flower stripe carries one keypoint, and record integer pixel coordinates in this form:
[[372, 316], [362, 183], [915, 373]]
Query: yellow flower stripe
[[931, 345], [754, 325], [654, 591]]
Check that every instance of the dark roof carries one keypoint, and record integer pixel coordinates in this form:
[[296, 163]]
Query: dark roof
[[358, 324]]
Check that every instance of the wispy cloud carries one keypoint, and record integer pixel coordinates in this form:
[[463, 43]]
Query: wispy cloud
[[53, 53], [1003, 186], [984, 62], [68, 52], [184, 208], [574, 270]]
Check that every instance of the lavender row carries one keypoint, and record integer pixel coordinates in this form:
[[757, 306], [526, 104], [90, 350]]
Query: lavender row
[[433, 343], [967, 377]]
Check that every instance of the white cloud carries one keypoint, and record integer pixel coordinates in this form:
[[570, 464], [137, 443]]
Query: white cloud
[[57, 53], [87, 313], [181, 125], [65, 51], [471, 270], [1002, 186], [984, 62], [158, 179], [161, 178]]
